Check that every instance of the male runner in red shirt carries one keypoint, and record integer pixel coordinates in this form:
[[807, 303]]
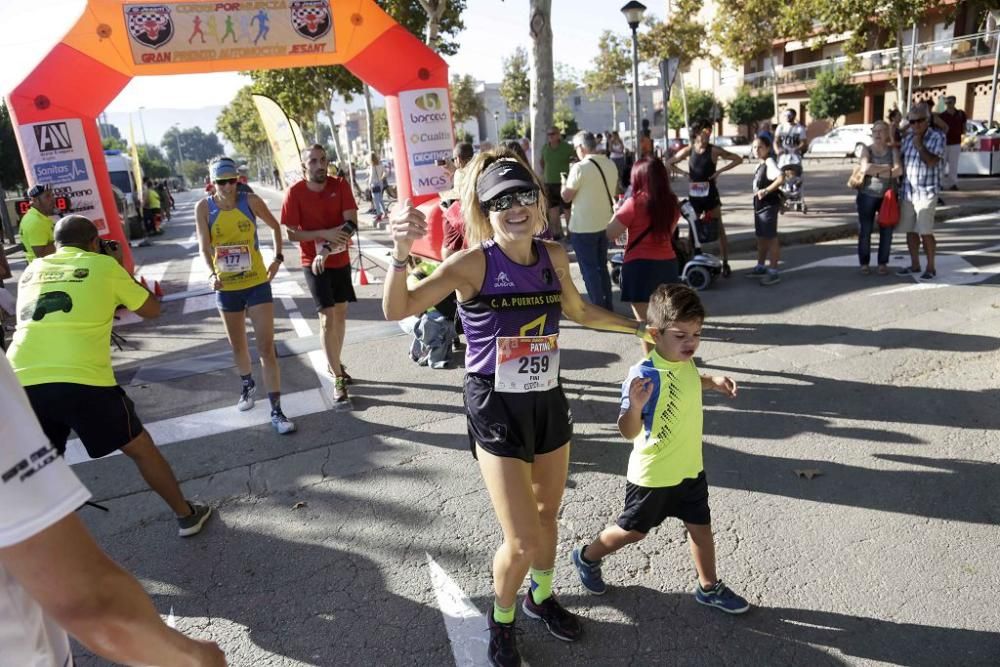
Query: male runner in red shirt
[[315, 211]]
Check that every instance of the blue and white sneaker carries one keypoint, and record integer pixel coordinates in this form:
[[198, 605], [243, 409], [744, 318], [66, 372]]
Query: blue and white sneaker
[[722, 598], [247, 394], [281, 423], [590, 575], [758, 271]]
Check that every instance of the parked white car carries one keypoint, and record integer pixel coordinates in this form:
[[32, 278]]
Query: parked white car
[[847, 140], [737, 145]]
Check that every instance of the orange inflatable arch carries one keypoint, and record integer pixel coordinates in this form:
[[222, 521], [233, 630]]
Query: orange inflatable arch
[[55, 108]]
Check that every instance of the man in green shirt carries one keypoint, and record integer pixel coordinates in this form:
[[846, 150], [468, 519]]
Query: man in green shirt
[[36, 225], [556, 155]]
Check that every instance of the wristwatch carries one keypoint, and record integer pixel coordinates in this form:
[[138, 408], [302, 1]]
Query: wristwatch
[[278, 257]]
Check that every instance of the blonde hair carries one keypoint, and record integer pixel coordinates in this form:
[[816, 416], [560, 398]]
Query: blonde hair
[[477, 221], [883, 125]]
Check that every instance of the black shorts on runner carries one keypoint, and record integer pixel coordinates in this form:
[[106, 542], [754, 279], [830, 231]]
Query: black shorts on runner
[[331, 287], [519, 426], [646, 508], [553, 192], [705, 204], [104, 418]]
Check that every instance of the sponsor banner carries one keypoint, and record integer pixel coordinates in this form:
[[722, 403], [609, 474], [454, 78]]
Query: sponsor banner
[[429, 137], [56, 153], [285, 139], [177, 32]]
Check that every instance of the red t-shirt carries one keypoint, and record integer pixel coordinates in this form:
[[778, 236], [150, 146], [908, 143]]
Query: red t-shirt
[[454, 228], [311, 211], [635, 217], [956, 126]]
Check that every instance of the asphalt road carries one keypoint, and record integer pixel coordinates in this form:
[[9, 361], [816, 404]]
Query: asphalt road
[[344, 543]]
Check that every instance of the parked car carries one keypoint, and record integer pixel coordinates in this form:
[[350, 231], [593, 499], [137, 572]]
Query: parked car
[[739, 145], [847, 140], [669, 146]]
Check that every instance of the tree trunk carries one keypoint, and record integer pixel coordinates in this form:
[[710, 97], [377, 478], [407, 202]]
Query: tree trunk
[[614, 110], [435, 10], [774, 82], [541, 76], [369, 123], [899, 68], [333, 130]]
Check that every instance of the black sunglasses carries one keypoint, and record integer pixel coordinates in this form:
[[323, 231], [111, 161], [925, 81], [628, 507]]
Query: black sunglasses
[[916, 120], [506, 201], [225, 181]]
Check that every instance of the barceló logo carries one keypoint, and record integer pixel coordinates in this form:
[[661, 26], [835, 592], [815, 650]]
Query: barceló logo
[[429, 102]]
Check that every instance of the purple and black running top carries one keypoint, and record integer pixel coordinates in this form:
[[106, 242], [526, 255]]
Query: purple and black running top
[[514, 300]]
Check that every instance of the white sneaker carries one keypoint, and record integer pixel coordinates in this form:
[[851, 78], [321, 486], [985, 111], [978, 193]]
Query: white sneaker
[[246, 401], [281, 423]]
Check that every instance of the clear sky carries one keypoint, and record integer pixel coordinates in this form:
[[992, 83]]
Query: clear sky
[[493, 29]]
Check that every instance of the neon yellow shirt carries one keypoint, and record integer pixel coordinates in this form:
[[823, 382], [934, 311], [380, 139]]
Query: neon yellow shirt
[[36, 230], [65, 307], [237, 259], [668, 449], [152, 198]]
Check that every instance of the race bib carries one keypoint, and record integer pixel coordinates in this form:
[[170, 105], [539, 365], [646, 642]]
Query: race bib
[[527, 363], [699, 189], [233, 258]]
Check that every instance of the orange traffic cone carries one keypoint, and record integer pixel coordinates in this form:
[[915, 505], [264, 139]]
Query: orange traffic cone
[[157, 290], [142, 281], [361, 278]]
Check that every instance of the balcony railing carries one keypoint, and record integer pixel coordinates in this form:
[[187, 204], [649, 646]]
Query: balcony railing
[[945, 51]]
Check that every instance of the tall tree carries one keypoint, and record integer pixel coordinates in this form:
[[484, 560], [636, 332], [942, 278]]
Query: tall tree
[[610, 69], [465, 104], [195, 144], [240, 124], [834, 96], [153, 164], [436, 22], [305, 91], [515, 88], [700, 107], [748, 108], [542, 80]]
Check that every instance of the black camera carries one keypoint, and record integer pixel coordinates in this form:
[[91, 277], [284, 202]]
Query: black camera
[[108, 247]]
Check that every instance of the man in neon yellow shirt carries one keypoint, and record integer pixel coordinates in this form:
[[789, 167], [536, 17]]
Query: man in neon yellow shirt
[[61, 354], [36, 225], [661, 413]]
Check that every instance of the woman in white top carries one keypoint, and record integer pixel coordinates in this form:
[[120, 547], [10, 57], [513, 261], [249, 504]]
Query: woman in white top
[[376, 182]]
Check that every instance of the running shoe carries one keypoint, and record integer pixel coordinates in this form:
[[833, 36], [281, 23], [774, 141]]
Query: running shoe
[[246, 401], [502, 650], [590, 575], [281, 423], [341, 401], [343, 372], [758, 271], [560, 623], [907, 271], [721, 597], [772, 278], [928, 275], [191, 524]]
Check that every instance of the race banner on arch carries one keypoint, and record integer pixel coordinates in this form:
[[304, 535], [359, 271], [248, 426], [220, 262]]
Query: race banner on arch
[[182, 32]]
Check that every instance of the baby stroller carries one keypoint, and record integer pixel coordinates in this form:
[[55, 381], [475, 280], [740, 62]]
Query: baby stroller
[[791, 166], [700, 269]]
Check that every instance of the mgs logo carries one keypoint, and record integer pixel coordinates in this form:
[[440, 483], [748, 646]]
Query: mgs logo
[[429, 102], [52, 137], [311, 18], [149, 25]]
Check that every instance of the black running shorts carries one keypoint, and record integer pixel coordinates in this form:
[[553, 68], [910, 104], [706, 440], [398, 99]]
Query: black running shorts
[[331, 287], [104, 418], [520, 426], [646, 508]]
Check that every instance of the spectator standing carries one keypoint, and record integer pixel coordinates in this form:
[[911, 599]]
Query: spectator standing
[[790, 140], [36, 225], [454, 222], [150, 208], [556, 156], [376, 183], [616, 151], [650, 216], [767, 180], [590, 187], [881, 166], [895, 117], [61, 354], [53, 576], [921, 153], [316, 211], [955, 119]]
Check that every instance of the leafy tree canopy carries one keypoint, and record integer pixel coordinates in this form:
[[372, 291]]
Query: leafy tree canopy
[[240, 124], [834, 96], [195, 144], [154, 164], [610, 66], [683, 37], [413, 15], [465, 104], [515, 88], [700, 106], [748, 108]]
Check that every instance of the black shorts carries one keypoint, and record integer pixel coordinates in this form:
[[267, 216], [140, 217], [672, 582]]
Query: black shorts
[[646, 508], [553, 191], [515, 425], [331, 287], [103, 417], [705, 204]]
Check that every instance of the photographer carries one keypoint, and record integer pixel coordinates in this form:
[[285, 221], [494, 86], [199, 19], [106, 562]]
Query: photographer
[[61, 354]]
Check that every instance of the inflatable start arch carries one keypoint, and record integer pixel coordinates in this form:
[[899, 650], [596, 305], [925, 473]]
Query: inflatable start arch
[[55, 108]]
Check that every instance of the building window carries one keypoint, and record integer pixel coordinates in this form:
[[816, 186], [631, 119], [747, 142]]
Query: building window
[[576, 101]]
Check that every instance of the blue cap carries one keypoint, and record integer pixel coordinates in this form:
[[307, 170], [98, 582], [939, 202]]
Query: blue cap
[[223, 168]]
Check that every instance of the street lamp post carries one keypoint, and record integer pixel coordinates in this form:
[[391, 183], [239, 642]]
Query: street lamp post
[[177, 138], [496, 125], [995, 15], [633, 15], [142, 127]]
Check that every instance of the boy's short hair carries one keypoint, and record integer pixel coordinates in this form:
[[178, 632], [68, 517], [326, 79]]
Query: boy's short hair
[[673, 303]]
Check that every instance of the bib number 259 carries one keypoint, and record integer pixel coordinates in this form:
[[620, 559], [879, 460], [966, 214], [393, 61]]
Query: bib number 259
[[533, 365]]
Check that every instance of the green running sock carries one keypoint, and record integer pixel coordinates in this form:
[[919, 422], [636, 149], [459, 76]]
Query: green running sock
[[503, 614], [541, 585]]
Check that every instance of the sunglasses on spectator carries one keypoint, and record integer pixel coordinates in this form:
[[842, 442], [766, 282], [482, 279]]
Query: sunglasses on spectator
[[916, 120], [225, 181], [506, 201]]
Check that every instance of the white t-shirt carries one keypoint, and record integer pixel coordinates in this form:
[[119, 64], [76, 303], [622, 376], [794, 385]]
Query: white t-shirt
[[789, 137], [591, 206], [37, 489]]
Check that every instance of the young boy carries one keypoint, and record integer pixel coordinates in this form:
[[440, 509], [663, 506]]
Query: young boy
[[661, 413]]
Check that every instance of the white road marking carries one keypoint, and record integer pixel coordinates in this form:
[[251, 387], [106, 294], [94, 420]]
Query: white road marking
[[465, 624]]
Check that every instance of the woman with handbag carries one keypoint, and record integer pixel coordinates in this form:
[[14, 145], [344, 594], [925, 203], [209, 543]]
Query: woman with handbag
[[650, 216], [880, 166]]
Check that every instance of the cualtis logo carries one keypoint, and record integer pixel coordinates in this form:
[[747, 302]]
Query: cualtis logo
[[429, 102]]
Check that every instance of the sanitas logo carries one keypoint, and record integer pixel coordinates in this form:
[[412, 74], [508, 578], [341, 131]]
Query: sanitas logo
[[503, 280], [429, 102]]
